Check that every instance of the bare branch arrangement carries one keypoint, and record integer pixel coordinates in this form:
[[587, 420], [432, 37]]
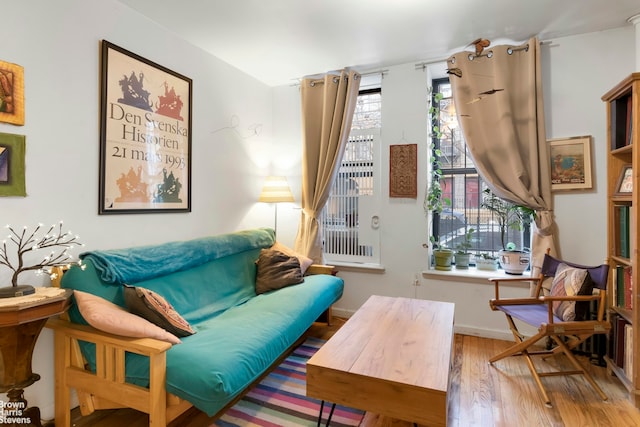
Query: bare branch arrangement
[[25, 242]]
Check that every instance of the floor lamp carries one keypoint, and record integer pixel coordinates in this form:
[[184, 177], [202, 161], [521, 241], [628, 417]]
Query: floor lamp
[[276, 190]]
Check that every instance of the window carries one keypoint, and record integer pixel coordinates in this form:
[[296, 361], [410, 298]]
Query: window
[[348, 226], [463, 186]]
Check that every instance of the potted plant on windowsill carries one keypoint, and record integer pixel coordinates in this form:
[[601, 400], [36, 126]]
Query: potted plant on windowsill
[[443, 256], [25, 241], [462, 254], [513, 216], [487, 262]]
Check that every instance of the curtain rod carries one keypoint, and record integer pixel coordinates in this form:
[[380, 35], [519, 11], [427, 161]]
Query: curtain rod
[[422, 65], [370, 73], [315, 82]]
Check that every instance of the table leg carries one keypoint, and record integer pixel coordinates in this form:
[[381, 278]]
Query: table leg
[[333, 407]]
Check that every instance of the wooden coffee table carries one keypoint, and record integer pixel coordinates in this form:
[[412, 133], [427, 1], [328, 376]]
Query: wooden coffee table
[[392, 358]]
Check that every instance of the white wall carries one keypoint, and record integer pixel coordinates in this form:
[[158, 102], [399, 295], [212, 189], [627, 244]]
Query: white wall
[[57, 43], [577, 71]]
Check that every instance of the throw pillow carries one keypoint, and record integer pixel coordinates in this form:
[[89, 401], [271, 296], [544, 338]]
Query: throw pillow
[[304, 260], [157, 310], [276, 270], [570, 281], [109, 317]]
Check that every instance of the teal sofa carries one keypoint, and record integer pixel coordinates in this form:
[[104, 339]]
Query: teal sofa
[[211, 283]]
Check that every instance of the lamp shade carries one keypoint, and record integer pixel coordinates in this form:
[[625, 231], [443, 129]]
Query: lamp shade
[[276, 190]]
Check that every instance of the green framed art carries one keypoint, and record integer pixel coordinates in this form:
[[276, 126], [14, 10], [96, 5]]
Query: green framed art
[[12, 152]]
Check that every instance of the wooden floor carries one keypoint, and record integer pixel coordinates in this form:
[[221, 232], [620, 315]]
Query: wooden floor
[[481, 395]]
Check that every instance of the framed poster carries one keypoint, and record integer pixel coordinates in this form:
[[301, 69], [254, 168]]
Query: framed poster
[[625, 181], [570, 163], [12, 152], [11, 93], [145, 135]]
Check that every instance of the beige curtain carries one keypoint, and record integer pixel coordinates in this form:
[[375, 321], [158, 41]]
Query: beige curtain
[[328, 103], [498, 98]]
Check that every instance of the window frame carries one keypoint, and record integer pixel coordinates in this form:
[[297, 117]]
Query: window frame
[[468, 173], [370, 253]]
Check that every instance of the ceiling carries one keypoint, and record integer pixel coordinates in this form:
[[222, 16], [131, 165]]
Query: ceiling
[[279, 41]]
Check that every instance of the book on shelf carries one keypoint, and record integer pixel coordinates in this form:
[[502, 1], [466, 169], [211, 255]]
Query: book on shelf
[[628, 288], [623, 218], [622, 291], [618, 290], [628, 350], [630, 231], [620, 341]]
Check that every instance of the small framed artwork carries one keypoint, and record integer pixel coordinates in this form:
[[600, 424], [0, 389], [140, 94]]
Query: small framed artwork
[[12, 167], [403, 167], [625, 181], [570, 163], [11, 93], [145, 135]]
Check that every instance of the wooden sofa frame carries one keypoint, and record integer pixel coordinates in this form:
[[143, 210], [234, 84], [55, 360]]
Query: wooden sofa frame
[[107, 388]]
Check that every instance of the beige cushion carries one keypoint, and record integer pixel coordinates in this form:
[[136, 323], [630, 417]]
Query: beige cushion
[[276, 270], [304, 260], [109, 317], [156, 309], [569, 281]]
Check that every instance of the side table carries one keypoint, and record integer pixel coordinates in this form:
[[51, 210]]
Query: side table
[[21, 321]]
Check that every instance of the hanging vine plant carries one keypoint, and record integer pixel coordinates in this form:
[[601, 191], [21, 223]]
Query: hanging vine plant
[[435, 201]]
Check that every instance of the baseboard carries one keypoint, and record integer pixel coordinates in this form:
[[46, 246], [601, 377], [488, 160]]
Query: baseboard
[[339, 312], [483, 333]]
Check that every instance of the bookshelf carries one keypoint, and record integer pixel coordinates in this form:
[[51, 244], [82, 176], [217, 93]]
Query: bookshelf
[[623, 200]]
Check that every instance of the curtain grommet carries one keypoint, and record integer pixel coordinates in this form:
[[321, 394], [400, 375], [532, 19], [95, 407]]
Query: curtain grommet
[[511, 49]]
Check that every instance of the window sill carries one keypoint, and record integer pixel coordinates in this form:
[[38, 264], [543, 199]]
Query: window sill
[[471, 274], [358, 266]]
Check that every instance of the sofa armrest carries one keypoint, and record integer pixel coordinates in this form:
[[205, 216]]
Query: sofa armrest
[[327, 316], [320, 269], [107, 387], [143, 346]]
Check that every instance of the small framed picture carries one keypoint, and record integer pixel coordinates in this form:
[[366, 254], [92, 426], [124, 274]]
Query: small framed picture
[[11, 93], [570, 163], [625, 181]]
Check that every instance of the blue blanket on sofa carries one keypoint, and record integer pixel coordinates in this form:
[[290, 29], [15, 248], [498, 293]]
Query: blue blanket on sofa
[[136, 264]]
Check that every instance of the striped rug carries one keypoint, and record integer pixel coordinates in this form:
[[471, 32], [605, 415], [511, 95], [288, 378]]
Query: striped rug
[[280, 399]]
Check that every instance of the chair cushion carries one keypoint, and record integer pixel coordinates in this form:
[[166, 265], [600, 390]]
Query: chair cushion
[[570, 281], [157, 310], [532, 314], [276, 270]]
